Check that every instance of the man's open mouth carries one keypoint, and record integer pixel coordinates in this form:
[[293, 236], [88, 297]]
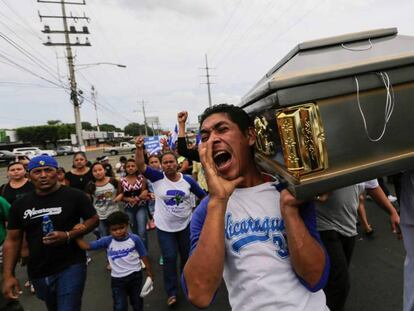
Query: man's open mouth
[[221, 158]]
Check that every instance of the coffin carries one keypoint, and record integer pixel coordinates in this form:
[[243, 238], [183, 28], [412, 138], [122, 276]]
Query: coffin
[[336, 111]]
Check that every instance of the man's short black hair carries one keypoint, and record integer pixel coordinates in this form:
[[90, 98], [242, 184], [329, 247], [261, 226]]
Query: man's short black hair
[[234, 113], [117, 218]]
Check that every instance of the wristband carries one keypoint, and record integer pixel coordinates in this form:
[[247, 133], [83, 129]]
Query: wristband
[[67, 236]]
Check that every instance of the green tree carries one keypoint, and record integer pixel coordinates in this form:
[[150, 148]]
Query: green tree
[[39, 135], [135, 129], [87, 126], [105, 127], [54, 122]]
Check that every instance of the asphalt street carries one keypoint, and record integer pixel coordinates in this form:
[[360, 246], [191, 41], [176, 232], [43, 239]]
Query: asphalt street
[[376, 271]]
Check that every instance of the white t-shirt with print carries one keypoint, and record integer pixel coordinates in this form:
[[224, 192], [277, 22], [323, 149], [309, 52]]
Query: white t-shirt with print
[[257, 270], [173, 204]]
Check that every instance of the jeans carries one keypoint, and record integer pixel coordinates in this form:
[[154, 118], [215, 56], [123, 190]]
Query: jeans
[[340, 250], [169, 243], [129, 285], [103, 228], [62, 291], [138, 220]]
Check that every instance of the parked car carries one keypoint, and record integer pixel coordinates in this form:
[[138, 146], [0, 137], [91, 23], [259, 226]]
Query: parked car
[[33, 151], [65, 150], [6, 157], [123, 147]]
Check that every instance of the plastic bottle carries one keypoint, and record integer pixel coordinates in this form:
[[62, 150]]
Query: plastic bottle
[[47, 225]]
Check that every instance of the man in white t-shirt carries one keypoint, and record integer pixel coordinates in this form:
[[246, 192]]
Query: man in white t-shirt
[[264, 243]]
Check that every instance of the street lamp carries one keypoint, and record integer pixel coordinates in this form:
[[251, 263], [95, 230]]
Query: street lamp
[[78, 123], [83, 66]]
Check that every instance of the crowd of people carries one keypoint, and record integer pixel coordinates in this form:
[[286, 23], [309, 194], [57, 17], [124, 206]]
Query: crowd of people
[[210, 205]]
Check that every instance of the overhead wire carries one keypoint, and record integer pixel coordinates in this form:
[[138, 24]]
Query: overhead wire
[[281, 33], [29, 27], [225, 40], [244, 35], [261, 34], [29, 71], [210, 51], [28, 84], [30, 56]]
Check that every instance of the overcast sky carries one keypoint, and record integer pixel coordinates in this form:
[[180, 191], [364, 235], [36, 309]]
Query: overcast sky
[[162, 43]]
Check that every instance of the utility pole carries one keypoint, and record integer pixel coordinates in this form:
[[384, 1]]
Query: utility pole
[[66, 31], [145, 117], [208, 81], [94, 94]]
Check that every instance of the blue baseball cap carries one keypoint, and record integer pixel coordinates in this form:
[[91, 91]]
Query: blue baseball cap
[[41, 161]]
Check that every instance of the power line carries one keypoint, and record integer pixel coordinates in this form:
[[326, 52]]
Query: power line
[[113, 109], [243, 36], [30, 71], [282, 32], [34, 32], [28, 84], [211, 49], [30, 56]]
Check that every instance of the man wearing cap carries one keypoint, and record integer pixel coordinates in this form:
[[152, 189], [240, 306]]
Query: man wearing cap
[[57, 267]]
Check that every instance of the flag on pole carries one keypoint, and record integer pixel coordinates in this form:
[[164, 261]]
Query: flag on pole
[[198, 138], [173, 138]]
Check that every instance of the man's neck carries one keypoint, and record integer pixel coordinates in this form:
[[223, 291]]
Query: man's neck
[[48, 191], [252, 177]]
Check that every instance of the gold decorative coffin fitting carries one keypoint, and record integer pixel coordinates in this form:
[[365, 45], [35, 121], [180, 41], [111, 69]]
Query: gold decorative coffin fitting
[[302, 139]]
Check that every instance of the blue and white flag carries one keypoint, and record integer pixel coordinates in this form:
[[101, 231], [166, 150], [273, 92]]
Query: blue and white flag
[[173, 138], [198, 138]]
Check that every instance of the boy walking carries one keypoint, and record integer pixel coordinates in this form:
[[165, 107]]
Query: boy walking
[[125, 251]]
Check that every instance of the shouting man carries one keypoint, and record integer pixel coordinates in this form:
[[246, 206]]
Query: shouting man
[[264, 243]]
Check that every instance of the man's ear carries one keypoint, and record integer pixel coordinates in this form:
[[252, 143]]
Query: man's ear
[[251, 135]]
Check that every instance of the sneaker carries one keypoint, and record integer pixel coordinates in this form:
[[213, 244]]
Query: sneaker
[[392, 198], [32, 289], [161, 261], [88, 260]]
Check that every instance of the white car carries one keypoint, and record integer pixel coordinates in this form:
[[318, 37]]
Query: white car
[[33, 151]]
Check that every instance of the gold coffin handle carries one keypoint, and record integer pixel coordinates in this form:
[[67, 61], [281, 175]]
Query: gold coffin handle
[[303, 139]]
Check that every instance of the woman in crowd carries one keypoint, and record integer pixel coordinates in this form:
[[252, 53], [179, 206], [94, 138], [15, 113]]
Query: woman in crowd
[[103, 190], [80, 174], [133, 188], [18, 185], [173, 211]]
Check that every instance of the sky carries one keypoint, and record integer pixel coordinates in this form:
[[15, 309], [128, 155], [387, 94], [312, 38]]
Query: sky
[[163, 44]]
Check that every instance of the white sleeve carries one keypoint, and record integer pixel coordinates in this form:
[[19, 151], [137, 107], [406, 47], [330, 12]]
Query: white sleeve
[[371, 184]]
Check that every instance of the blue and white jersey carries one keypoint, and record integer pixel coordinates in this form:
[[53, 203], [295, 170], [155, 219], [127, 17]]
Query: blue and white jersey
[[257, 269], [173, 205], [123, 255]]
